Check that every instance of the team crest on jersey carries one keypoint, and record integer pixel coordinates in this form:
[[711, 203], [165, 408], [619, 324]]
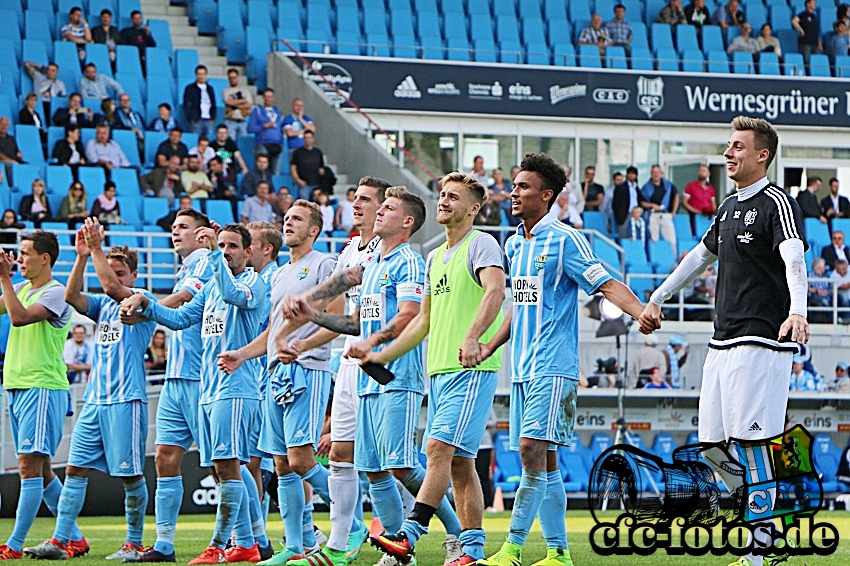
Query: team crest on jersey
[[750, 217], [303, 273], [384, 280], [539, 262]]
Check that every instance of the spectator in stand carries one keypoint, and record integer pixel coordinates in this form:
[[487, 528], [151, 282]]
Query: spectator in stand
[[164, 182], [768, 43], [638, 230], [802, 380], [728, 15], [837, 250], [514, 172], [575, 189], [106, 207], [168, 220], [698, 197], [266, 123], [70, 151], [295, 125], [28, 116], [676, 353], [165, 121], [594, 34], [9, 151], [593, 192], [324, 201], [45, 83], [344, 218], [744, 43], [96, 85], [74, 207], [307, 166], [35, 207], [616, 179], [619, 31], [195, 182], [564, 209], [223, 187], [819, 292], [701, 291], [283, 204], [672, 14], [489, 214], [128, 119], [625, 197], [260, 173], [204, 153], [171, 147], [839, 44], [842, 385], [843, 13], [9, 222], [656, 379], [107, 34], [225, 147], [199, 103], [77, 31], [156, 354], [237, 105], [105, 152], [502, 194], [138, 35], [662, 200], [808, 201], [808, 29], [258, 208], [647, 357], [107, 115], [478, 170], [842, 280], [834, 205], [75, 114], [78, 354], [697, 14]]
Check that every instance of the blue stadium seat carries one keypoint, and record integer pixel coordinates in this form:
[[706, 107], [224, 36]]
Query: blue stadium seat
[[161, 33], [537, 53], [126, 182], [742, 63], [185, 61], [127, 60], [23, 175], [423, 5], [607, 254], [98, 54], [401, 25], [635, 251], [58, 179], [573, 462], [599, 443], [457, 49], [693, 438], [693, 61], [18, 8], [529, 9], [54, 134], [10, 33], [5, 105], [37, 28], [580, 11], [682, 224], [663, 446], [661, 256], [35, 51], [554, 9], [564, 55], [756, 15], [508, 464], [686, 38], [484, 51], [93, 179], [768, 64], [701, 224], [793, 64], [662, 37], [65, 55], [711, 39], [259, 15], [642, 59], [819, 65], [231, 39], [152, 141], [478, 7], [154, 208], [826, 459], [780, 17], [588, 56], [428, 25], [718, 62], [615, 58], [639, 36], [257, 50], [432, 47], [507, 29], [220, 211], [842, 65], [533, 30], [29, 143], [158, 64], [667, 59], [127, 140]]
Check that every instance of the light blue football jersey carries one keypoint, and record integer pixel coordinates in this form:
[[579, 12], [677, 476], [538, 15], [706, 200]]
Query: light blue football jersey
[[184, 346]]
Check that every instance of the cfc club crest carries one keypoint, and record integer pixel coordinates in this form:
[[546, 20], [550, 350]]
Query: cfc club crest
[[384, 280], [303, 273], [539, 262], [750, 217], [650, 95]]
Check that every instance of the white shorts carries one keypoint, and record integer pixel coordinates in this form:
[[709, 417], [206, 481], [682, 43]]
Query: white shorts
[[344, 407], [744, 393]]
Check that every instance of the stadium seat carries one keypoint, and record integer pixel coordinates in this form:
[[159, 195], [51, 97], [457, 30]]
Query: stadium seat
[[718, 62], [661, 256], [573, 464], [127, 140], [693, 61], [780, 17], [667, 59], [642, 60], [35, 51], [153, 208], [66, 56], [842, 66], [161, 32], [663, 446], [639, 36], [793, 65], [742, 63], [711, 39], [508, 465], [588, 56], [220, 211], [538, 54], [185, 61], [607, 254], [29, 142], [682, 224], [93, 179], [126, 182], [819, 65], [826, 458], [599, 443], [768, 64], [152, 141], [58, 179], [686, 38], [615, 57], [701, 224], [635, 251], [23, 175], [38, 28], [662, 37]]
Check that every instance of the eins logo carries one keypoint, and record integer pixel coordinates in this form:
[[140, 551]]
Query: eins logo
[[677, 506]]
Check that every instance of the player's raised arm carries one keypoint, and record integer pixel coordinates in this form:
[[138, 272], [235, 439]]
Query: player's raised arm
[[73, 289], [93, 233]]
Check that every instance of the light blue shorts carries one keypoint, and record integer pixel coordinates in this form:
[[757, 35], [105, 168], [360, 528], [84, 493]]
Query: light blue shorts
[[543, 409], [177, 413], [37, 416], [385, 436], [458, 409], [224, 428], [299, 422], [111, 438]]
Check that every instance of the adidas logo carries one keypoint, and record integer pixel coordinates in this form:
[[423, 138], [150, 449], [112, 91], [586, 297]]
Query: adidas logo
[[123, 465], [445, 428], [299, 433], [754, 427], [221, 447], [442, 286], [26, 442], [535, 426], [407, 89], [393, 455], [208, 482]]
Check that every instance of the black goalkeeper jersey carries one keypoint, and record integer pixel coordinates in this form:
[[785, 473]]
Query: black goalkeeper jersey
[[752, 297]]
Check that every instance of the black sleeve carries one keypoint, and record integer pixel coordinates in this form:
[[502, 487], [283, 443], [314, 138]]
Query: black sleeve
[[844, 205]]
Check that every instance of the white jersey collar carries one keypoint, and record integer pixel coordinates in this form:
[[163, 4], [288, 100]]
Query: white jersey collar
[[752, 190]]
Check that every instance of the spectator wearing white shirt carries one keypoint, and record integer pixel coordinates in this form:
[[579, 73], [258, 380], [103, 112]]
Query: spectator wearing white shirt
[[345, 212], [78, 354]]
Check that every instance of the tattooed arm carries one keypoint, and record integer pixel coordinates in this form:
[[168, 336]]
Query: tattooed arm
[[321, 295], [407, 311]]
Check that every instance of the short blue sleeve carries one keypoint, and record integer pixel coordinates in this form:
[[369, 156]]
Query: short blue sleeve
[[96, 303], [580, 264]]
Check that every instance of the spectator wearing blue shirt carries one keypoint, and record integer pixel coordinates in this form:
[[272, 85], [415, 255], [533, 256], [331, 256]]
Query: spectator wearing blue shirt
[[165, 121], [295, 125], [656, 379], [104, 152], [618, 29], [258, 208], [95, 85], [266, 123], [819, 291], [802, 380], [840, 42]]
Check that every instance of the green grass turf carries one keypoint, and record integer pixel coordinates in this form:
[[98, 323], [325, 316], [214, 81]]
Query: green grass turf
[[106, 534]]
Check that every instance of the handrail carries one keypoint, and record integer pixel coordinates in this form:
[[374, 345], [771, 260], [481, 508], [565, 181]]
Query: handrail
[[361, 112]]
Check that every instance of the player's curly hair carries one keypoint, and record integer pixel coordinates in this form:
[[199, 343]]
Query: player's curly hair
[[125, 255], [550, 173], [470, 181]]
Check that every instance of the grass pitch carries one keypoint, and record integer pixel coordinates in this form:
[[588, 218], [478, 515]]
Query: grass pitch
[[106, 534]]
